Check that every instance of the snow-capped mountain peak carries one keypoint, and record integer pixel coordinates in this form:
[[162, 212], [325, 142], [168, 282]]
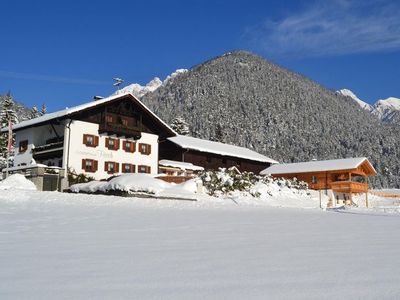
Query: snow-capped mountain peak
[[140, 90], [349, 93], [387, 109]]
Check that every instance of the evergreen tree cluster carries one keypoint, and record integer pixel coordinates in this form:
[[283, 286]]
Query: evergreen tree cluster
[[243, 99], [180, 126], [16, 112]]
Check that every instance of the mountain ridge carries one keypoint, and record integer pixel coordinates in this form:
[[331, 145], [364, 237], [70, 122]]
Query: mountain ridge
[[246, 100]]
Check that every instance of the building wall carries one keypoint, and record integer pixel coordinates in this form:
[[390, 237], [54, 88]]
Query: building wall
[[36, 136], [79, 151]]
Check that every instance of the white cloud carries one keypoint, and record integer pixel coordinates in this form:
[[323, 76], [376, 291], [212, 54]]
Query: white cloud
[[340, 27], [29, 76]]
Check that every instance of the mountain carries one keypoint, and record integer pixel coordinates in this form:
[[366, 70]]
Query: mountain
[[387, 110], [243, 99], [348, 93], [140, 90]]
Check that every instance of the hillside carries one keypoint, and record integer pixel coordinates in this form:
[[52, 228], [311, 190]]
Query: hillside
[[243, 99]]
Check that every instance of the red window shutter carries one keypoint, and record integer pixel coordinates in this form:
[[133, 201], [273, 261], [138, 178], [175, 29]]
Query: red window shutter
[[140, 148], [133, 168], [83, 164], [148, 149], [133, 147], [95, 165], [107, 139], [148, 169], [96, 141], [116, 167], [106, 166], [116, 144], [124, 145], [84, 138]]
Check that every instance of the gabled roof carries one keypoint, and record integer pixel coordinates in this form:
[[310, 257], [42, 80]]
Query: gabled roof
[[187, 142], [319, 166], [64, 114]]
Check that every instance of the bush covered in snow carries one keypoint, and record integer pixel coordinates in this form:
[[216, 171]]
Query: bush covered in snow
[[230, 180]]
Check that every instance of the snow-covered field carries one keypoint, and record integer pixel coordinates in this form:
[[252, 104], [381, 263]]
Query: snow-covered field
[[74, 246]]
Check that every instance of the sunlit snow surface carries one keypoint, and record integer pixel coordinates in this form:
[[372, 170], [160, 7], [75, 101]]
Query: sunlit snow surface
[[72, 246]]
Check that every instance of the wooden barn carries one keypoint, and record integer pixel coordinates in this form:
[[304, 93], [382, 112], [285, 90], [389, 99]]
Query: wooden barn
[[343, 176], [212, 155]]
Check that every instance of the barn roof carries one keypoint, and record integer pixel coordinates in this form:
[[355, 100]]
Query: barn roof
[[320, 166], [187, 142]]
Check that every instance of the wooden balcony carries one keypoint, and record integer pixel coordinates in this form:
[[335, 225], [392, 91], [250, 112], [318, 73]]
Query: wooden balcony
[[50, 150], [120, 130], [349, 187]]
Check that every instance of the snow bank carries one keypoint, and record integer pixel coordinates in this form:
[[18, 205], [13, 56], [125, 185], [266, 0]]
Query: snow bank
[[17, 182], [124, 183]]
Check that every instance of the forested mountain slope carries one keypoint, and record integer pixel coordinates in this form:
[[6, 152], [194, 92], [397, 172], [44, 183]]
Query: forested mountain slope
[[243, 99]]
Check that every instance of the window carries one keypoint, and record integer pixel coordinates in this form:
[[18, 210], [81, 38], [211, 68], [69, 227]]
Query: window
[[109, 119], [111, 167], [124, 122], [145, 149], [314, 179], [128, 168], [23, 146], [112, 144], [90, 140], [89, 165], [129, 146], [144, 169]]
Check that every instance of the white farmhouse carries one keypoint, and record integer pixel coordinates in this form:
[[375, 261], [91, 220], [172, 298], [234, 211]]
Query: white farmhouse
[[115, 135]]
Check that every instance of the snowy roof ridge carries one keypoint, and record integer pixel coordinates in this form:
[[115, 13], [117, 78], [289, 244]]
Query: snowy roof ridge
[[179, 164], [317, 166], [188, 142], [69, 111]]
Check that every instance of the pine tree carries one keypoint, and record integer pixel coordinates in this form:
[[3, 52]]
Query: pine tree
[[180, 126], [43, 111], [7, 113], [219, 134], [34, 113]]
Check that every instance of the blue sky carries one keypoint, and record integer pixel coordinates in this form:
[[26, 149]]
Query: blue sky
[[62, 53]]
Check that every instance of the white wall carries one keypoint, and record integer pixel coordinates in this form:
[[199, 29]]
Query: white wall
[[36, 136], [79, 151]]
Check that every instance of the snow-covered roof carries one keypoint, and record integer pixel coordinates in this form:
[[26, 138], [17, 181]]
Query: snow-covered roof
[[69, 111], [317, 166], [180, 165], [197, 144]]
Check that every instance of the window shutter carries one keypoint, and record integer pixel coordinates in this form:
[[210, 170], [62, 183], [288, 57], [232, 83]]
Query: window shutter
[[96, 141], [106, 166], [148, 169], [95, 165], [133, 147], [116, 167], [83, 164], [116, 144], [107, 139], [124, 145], [84, 138], [133, 169], [148, 149]]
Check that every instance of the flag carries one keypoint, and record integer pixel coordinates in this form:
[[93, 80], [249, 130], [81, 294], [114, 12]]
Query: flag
[[10, 137]]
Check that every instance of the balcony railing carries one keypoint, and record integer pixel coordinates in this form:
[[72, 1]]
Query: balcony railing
[[349, 186], [120, 130]]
